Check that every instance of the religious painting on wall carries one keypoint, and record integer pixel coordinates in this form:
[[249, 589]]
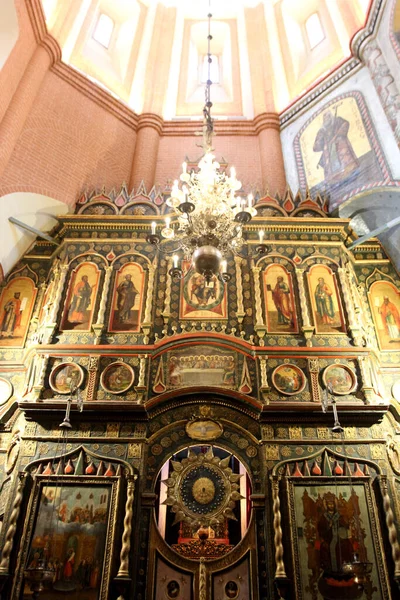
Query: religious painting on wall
[[325, 300], [201, 366], [16, 306], [69, 532], [81, 298], [201, 299], [339, 379], [127, 299], [384, 299], [66, 378], [338, 152], [280, 308], [117, 378], [330, 525], [288, 379]]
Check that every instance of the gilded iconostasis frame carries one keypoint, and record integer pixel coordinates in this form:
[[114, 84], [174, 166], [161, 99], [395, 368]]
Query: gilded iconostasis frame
[[93, 493]]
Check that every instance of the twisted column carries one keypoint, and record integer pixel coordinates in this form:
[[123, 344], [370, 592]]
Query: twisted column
[[126, 536], [280, 567], [348, 300], [60, 288], [308, 328], [239, 289], [391, 525], [12, 524], [104, 296], [166, 313], [202, 579]]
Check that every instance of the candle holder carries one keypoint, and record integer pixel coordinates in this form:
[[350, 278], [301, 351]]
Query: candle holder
[[176, 273], [153, 238]]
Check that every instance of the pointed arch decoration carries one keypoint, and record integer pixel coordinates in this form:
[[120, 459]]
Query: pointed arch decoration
[[323, 486], [89, 489]]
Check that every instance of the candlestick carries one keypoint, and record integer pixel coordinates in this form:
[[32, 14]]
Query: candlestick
[[153, 227]]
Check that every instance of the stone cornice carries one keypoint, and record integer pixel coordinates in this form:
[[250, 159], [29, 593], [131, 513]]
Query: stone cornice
[[370, 28], [97, 94], [151, 120], [44, 39]]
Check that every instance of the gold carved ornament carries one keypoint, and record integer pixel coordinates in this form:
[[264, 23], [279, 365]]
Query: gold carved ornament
[[202, 489]]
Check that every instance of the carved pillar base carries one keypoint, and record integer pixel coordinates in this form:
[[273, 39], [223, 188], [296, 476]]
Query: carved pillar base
[[369, 394], [141, 393], [282, 585], [166, 317], [98, 331], [308, 333], [261, 330], [240, 316], [49, 331], [265, 394], [146, 328], [122, 585], [356, 335]]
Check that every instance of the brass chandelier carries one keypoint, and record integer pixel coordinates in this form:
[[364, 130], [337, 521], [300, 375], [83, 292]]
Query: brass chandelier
[[209, 215]]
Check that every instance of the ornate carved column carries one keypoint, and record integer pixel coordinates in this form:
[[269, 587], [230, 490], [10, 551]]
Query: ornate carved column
[[313, 368], [391, 525], [264, 388], [367, 384], [348, 301], [146, 325], [239, 289], [260, 325], [307, 328], [98, 327], [59, 282], [141, 388], [281, 579], [12, 525], [93, 371], [166, 313], [123, 571], [384, 82], [38, 387]]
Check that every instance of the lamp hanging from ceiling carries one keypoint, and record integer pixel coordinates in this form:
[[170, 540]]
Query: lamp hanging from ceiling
[[209, 215]]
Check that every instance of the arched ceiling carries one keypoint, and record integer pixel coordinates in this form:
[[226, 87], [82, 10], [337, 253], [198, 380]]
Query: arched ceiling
[[152, 60]]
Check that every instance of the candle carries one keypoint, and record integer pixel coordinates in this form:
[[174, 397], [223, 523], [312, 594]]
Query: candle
[[238, 202], [224, 266], [233, 172], [167, 222], [153, 227], [175, 258], [250, 200], [184, 166], [261, 236]]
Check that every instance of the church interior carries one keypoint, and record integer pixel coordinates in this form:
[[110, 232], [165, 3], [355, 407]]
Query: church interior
[[200, 299]]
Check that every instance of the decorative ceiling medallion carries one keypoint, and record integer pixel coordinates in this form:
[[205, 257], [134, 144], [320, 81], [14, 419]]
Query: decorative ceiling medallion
[[202, 489], [204, 429]]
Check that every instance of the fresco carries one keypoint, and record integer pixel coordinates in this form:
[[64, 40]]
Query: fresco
[[384, 300], [127, 299], [201, 365], [16, 305], [288, 379], [202, 300], [70, 534], [280, 306], [337, 151], [81, 298], [327, 308]]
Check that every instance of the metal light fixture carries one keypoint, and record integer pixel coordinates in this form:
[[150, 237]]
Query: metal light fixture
[[210, 217]]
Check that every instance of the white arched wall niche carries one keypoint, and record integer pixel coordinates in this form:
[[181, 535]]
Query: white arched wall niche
[[9, 29], [35, 210], [373, 209]]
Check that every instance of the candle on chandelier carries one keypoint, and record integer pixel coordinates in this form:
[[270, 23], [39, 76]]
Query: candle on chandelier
[[175, 258], [250, 200], [167, 222], [261, 236], [224, 265], [233, 172], [184, 167], [153, 227]]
